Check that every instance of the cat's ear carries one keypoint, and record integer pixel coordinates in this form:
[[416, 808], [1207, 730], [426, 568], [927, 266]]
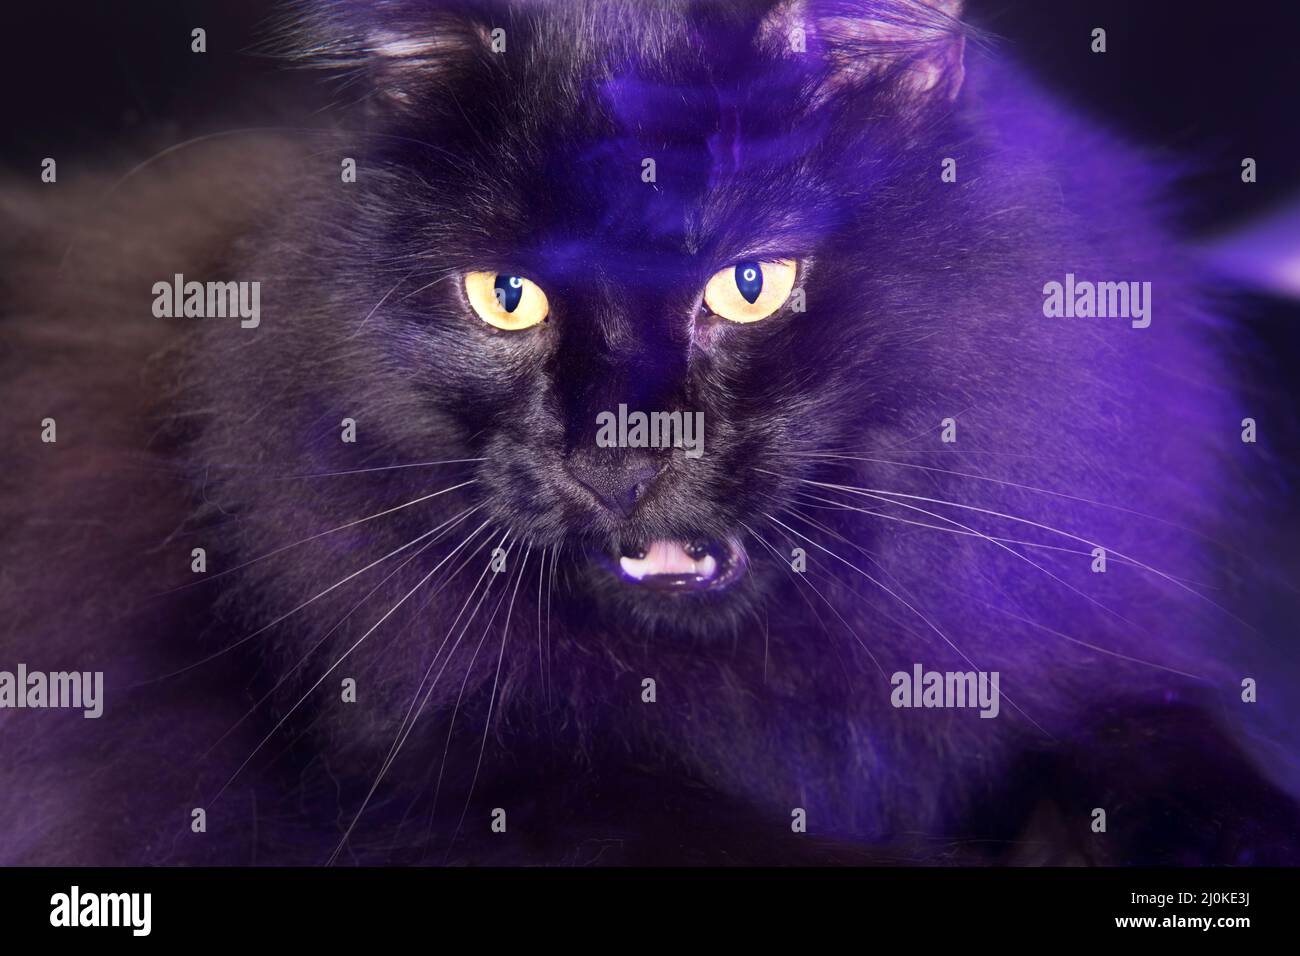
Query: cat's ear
[[395, 48], [915, 46]]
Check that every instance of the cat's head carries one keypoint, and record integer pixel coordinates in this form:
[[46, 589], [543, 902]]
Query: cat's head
[[572, 213]]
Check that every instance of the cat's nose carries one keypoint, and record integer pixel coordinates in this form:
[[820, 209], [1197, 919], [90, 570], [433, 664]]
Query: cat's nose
[[618, 481]]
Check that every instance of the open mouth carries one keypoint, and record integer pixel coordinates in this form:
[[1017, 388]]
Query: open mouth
[[703, 564]]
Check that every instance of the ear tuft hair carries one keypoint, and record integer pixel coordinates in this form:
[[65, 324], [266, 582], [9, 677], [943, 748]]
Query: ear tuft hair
[[394, 47], [915, 45]]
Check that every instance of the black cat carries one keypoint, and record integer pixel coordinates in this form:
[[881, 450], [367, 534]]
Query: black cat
[[367, 584]]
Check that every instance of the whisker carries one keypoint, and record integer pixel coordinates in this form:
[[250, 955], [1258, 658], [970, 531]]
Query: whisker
[[1033, 623], [824, 599], [396, 286], [468, 538], [428, 694], [541, 579], [367, 471], [455, 710], [839, 505], [244, 640], [387, 614], [314, 537], [408, 722], [749, 571], [339, 623], [905, 604], [1089, 646], [870, 556], [550, 590], [874, 492], [1087, 597], [442, 278], [492, 697], [997, 481]]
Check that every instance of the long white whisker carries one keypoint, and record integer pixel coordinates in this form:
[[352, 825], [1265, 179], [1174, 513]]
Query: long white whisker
[[541, 582], [455, 710], [366, 471], [550, 590], [872, 492], [1089, 646], [320, 594], [446, 661], [867, 554], [314, 537], [492, 697], [442, 278], [396, 286], [824, 599], [842, 506], [320, 680], [767, 636], [998, 481], [337, 624], [1012, 551], [1025, 620], [408, 722], [905, 604]]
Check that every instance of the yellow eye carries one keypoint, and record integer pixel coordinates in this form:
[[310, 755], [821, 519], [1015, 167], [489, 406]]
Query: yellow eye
[[506, 301], [749, 291]]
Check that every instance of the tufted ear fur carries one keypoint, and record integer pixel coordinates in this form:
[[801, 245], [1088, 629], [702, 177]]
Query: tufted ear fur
[[915, 45], [393, 48]]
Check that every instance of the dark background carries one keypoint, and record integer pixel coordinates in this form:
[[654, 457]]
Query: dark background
[[1209, 81]]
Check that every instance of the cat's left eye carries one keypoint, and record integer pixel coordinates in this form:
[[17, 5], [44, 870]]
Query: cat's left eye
[[749, 291], [508, 302]]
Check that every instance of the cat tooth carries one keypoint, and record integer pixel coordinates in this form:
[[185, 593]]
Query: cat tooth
[[706, 567], [636, 568]]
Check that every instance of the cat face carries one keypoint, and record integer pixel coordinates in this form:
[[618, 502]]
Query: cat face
[[607, 213]]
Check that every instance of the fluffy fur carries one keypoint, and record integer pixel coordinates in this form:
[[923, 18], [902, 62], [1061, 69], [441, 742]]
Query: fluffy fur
[[522, 690]]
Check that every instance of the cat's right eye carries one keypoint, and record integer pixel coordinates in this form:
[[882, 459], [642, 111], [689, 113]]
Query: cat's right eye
[[508, 302], [750, 291]]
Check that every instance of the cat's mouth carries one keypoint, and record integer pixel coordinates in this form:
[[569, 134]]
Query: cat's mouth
[[702, 564]]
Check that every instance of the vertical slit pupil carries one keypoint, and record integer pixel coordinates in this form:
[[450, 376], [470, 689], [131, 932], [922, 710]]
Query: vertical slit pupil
[[749, 280], [509, 289]]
